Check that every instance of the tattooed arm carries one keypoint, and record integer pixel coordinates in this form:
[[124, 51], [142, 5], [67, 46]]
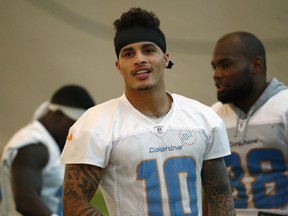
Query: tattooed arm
[[80, 184], [217, 188]]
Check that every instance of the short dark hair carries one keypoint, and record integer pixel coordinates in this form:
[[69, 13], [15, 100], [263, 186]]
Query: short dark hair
[[74, 96], [137, 25], [252, 45], [137, 17]]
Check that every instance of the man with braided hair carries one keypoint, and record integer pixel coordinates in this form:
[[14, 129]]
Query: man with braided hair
[[149, 151]]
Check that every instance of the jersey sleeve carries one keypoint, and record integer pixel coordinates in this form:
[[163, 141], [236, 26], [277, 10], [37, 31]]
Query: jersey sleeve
[[86, 147], [219, 145]]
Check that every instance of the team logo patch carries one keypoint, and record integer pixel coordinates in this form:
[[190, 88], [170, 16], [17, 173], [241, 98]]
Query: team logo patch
[[159, 129], [188, 137]]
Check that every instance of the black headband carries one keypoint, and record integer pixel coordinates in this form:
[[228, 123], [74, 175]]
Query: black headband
[[138, 34]]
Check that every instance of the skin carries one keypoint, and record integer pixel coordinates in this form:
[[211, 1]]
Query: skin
[[27, 167], [216, 186], [27, 181], [142, 67], [239, 79], [80, 184], [146, 92]]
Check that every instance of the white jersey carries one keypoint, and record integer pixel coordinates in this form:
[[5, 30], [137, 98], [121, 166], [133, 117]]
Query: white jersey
[[52, 174], [149, 168], [258, 165]]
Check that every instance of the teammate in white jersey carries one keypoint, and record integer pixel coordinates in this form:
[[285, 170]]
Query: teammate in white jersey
[[31, 172], [255, 113], [150, 151]]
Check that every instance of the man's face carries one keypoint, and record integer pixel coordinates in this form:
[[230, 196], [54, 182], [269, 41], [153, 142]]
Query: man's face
[[142, 66], [232, 73]]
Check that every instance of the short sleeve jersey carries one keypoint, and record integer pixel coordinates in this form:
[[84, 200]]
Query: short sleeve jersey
[[149, 168], [258, 165], [52, 174]]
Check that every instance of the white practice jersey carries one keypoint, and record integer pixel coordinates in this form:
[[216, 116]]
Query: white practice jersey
[[150, 168], [52, 174], [258, 165]]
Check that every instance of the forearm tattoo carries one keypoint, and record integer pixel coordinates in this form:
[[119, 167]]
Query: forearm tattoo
[[217, 188], [80, 184]]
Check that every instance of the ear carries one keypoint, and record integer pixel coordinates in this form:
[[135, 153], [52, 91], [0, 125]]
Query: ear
[[257, 65], [166, 59], [117, 65]]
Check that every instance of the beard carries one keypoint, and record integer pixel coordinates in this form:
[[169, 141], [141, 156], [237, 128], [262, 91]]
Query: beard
[[239, 92], [145, 88]]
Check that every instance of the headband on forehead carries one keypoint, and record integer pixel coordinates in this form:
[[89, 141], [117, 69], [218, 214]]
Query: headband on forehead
[[137, 34], [71, 112]]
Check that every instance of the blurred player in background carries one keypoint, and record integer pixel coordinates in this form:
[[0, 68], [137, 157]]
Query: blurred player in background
[[31, 172], [255, 113]]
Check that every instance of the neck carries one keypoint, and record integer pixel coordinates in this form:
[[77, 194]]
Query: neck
[[151, 104], [246, 104], [49, 124]]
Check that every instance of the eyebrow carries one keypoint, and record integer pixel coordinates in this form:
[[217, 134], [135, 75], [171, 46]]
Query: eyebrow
[[220, 61], [126, 49], [145, 45]]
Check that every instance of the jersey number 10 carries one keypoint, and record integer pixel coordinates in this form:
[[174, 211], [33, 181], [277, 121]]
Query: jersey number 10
[[180, 180]]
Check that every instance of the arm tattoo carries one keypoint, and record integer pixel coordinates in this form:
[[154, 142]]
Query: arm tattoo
[[80, 184], [217, 188]]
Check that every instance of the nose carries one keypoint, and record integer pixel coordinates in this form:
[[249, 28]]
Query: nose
[[140, 58], [218, 73]]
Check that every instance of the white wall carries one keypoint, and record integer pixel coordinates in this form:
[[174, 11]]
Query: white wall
[[45, 44]]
